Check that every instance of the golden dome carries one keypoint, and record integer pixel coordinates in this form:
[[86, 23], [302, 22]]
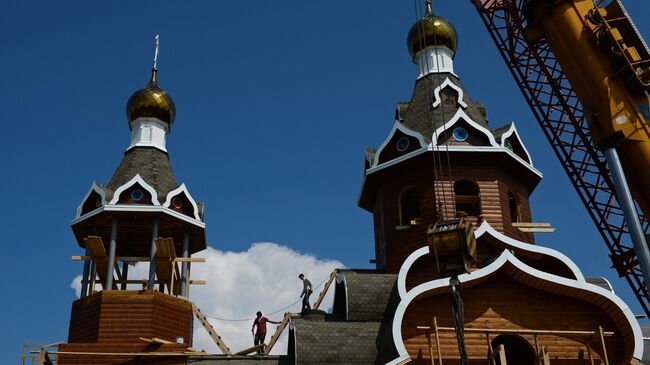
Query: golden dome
[[431, 30], [151, 101]]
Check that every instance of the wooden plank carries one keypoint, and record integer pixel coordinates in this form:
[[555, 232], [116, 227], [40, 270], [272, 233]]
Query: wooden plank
[[321, 296], [278, 332], [520, 331], [155, 340], [97, 251], [601, 334], [530, 224], [213, 334], [251, 349], [189, 259], [536, 230], [435, 329]]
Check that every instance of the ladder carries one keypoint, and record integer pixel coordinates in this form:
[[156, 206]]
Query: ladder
[[321, 296], [278, 332], [208, 327]]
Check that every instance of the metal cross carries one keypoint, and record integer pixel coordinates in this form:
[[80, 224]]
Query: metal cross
[[155, 55]]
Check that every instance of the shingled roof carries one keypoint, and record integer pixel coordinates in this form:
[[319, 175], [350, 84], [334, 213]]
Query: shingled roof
[[152, 164], [370, 298], [421, 117]]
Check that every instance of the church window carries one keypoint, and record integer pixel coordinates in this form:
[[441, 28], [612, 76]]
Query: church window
[[513, 205], [448, 97], [467, 197], [460, 134], [409, 206], [137, 195], [402, 144]]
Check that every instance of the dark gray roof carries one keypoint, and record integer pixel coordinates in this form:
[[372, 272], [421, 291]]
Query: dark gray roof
[[240, 360], [335, 342], [421, 117], [152, 164], [601, 282], [368, 294], [498, 132], [645, 330]]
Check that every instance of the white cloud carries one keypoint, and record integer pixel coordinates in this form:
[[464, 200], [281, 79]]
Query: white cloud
[[265, 277]]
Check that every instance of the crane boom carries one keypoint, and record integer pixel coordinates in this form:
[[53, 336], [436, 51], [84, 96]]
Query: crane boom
[[561, 114]]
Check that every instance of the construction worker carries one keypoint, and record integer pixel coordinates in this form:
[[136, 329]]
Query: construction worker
[[306, 292], [260, 335]]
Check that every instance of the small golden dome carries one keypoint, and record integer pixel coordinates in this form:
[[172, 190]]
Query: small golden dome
[[431, 30], [151, 101]]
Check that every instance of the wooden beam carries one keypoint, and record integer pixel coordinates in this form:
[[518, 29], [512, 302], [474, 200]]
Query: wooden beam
[[501, 351], [602, 343], [527, 332], [155, 340], [251, 349], [278, 332], [536, 230], [130, 354], [189, 259], [435, 329], [213, 334], [530, 224], [198, 282], [321, 296]]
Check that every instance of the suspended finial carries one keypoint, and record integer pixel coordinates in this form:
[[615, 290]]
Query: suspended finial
[[429, 12], [155, 55]]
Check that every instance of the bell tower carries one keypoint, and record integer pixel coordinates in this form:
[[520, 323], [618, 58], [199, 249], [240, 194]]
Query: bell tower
[[442, 159], [142, 218]]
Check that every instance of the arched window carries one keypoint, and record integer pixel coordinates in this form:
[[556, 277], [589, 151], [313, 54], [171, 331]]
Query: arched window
[[448, 97], [513, 205], [467, 198], [518, 351], [409, 206]]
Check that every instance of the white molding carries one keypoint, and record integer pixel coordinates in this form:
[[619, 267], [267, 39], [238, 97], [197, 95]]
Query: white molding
[[406, 266], [176, 192], [137, 179], [460, 114], [448, 82], [486, 228], [434, 59], [139, 209], [148, 132], [502, 260], [398, 160], [397, 126], [96, 188], [513, 130]]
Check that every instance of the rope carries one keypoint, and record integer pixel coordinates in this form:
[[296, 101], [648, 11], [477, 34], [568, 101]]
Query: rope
[[268, 314]]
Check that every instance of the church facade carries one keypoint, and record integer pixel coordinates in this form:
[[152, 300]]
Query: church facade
[[511, 302]]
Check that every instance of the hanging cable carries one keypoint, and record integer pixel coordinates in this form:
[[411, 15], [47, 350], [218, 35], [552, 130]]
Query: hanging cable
[[268, 314]]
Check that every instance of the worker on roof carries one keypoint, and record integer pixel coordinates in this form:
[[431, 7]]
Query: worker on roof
[[260, 335], [306, 292]]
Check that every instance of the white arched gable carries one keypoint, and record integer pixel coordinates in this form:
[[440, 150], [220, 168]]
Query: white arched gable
[[508, 258], [137, 179], [460, 114], [513, 131], [398, 126], [447, 82], [94, 187], [177, 191], [486, 229]]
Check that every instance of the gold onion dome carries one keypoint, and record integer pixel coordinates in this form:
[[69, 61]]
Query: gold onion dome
[[431, 30], [151, 101]]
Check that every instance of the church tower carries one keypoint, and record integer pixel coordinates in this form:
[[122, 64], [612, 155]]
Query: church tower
[[442, 159], [142, 216]]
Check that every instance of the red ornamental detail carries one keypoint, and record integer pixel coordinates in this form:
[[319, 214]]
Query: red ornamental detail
[[560, 114], [177, 202]]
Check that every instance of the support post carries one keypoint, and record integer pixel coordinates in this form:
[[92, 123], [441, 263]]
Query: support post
[[591, 357], [84, 277], [435, 329], [602, 344], [629, 211], [152, 255], [111, 255], [125, 274], [501, 350], [185, 265], [433, 361]]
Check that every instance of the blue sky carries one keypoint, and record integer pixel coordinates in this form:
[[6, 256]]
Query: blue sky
[[276, 101]]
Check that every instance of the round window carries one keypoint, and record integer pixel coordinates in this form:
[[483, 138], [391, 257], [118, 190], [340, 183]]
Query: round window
[[402, 144], [508, 145], [137, 195], [98, 202], [460, 134], [177, 202]]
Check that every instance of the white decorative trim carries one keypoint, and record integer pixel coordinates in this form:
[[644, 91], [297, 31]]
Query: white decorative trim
[[434, 59], [463, 148], [513, 130], [406, 266], [148, 132], [460, 114], [486, 228], [96, 188], [507, 257], [139, 209], [139, 180], [398, 126], [176, 192], [397, 160], [447, 82]]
